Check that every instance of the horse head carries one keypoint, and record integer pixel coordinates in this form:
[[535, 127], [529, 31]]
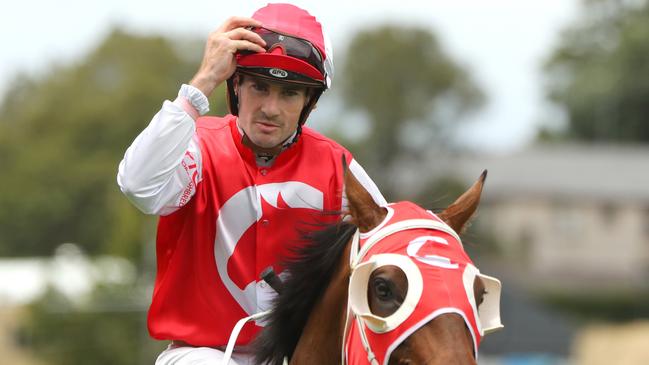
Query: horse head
[[415, 296], [389, 285]]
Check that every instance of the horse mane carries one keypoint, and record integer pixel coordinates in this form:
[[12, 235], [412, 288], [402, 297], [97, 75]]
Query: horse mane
[[310, 270]]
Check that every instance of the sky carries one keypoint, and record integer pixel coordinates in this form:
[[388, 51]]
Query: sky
[[501, 42]]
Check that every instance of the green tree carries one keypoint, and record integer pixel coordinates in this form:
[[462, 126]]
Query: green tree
[[599, 73], [412, 92], [62, 137], [109, 329]]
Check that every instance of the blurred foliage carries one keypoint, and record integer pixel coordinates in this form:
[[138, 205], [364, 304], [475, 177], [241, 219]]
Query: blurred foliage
[[599, 73], [441, 193], [412, 92], [109, 329], [478, 240], [62, 137]]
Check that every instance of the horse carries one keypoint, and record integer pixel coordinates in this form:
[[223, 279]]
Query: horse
[[363, 290]]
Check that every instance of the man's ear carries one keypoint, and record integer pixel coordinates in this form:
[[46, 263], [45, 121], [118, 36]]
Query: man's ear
[[311, 93], [308, 102], [236, 78]]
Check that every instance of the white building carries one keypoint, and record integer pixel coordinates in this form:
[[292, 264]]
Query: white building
[[568, 215]]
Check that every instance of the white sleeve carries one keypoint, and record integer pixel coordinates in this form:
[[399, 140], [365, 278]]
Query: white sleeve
[[365, 180], [162, 167]]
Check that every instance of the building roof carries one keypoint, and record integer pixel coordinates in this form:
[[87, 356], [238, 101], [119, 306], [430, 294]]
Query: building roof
[[564, 171]]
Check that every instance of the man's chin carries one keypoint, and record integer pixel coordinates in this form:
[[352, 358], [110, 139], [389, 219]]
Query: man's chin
[[265, 143]]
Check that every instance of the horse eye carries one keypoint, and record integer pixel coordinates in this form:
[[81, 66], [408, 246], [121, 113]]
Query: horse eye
[[481, 297], [479, 291], [382, 289], [386, 290]]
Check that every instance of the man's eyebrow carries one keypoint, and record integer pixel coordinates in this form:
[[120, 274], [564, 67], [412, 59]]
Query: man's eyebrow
[[292, 88]]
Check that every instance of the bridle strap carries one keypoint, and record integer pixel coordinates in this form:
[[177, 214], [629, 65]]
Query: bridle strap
[[353, 251], [371, 358]]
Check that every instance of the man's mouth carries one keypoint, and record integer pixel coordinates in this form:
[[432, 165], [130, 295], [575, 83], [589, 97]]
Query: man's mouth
[[266, 126]]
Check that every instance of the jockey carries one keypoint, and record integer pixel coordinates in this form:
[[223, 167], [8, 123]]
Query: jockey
[[234, 192]]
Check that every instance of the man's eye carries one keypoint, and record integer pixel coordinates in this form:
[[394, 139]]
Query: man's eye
[[259, 87]]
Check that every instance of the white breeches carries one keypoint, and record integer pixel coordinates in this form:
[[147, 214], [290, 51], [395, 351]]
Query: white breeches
[[175, 355]]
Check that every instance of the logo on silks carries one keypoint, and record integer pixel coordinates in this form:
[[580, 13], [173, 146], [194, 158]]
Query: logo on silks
[[278, 73], [440, 279], [241, 211]]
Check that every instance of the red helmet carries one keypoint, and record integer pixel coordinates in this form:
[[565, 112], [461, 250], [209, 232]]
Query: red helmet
[[297, 51]]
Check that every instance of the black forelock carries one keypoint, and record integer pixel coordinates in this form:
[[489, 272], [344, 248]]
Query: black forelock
[[309, 273]]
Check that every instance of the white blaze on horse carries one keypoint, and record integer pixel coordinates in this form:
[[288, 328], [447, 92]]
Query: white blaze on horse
[[393, 285]]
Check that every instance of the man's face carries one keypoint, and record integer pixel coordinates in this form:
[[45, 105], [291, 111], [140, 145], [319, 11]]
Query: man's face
[[269, 111]]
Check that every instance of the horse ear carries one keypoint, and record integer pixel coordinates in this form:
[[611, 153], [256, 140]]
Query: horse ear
[[458, 214], [366, 214]]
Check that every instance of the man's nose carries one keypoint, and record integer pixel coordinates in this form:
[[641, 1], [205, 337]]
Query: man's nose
[[271, 106]]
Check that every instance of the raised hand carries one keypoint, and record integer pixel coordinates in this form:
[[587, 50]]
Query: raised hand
[[219, 61]]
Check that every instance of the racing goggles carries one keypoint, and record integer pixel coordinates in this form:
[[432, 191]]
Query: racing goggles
[[293, 47], [358, 288], [487, 315]]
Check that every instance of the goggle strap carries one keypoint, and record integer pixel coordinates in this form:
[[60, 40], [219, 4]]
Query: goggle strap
[[309, 107], [353, 251], [314, 49]]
